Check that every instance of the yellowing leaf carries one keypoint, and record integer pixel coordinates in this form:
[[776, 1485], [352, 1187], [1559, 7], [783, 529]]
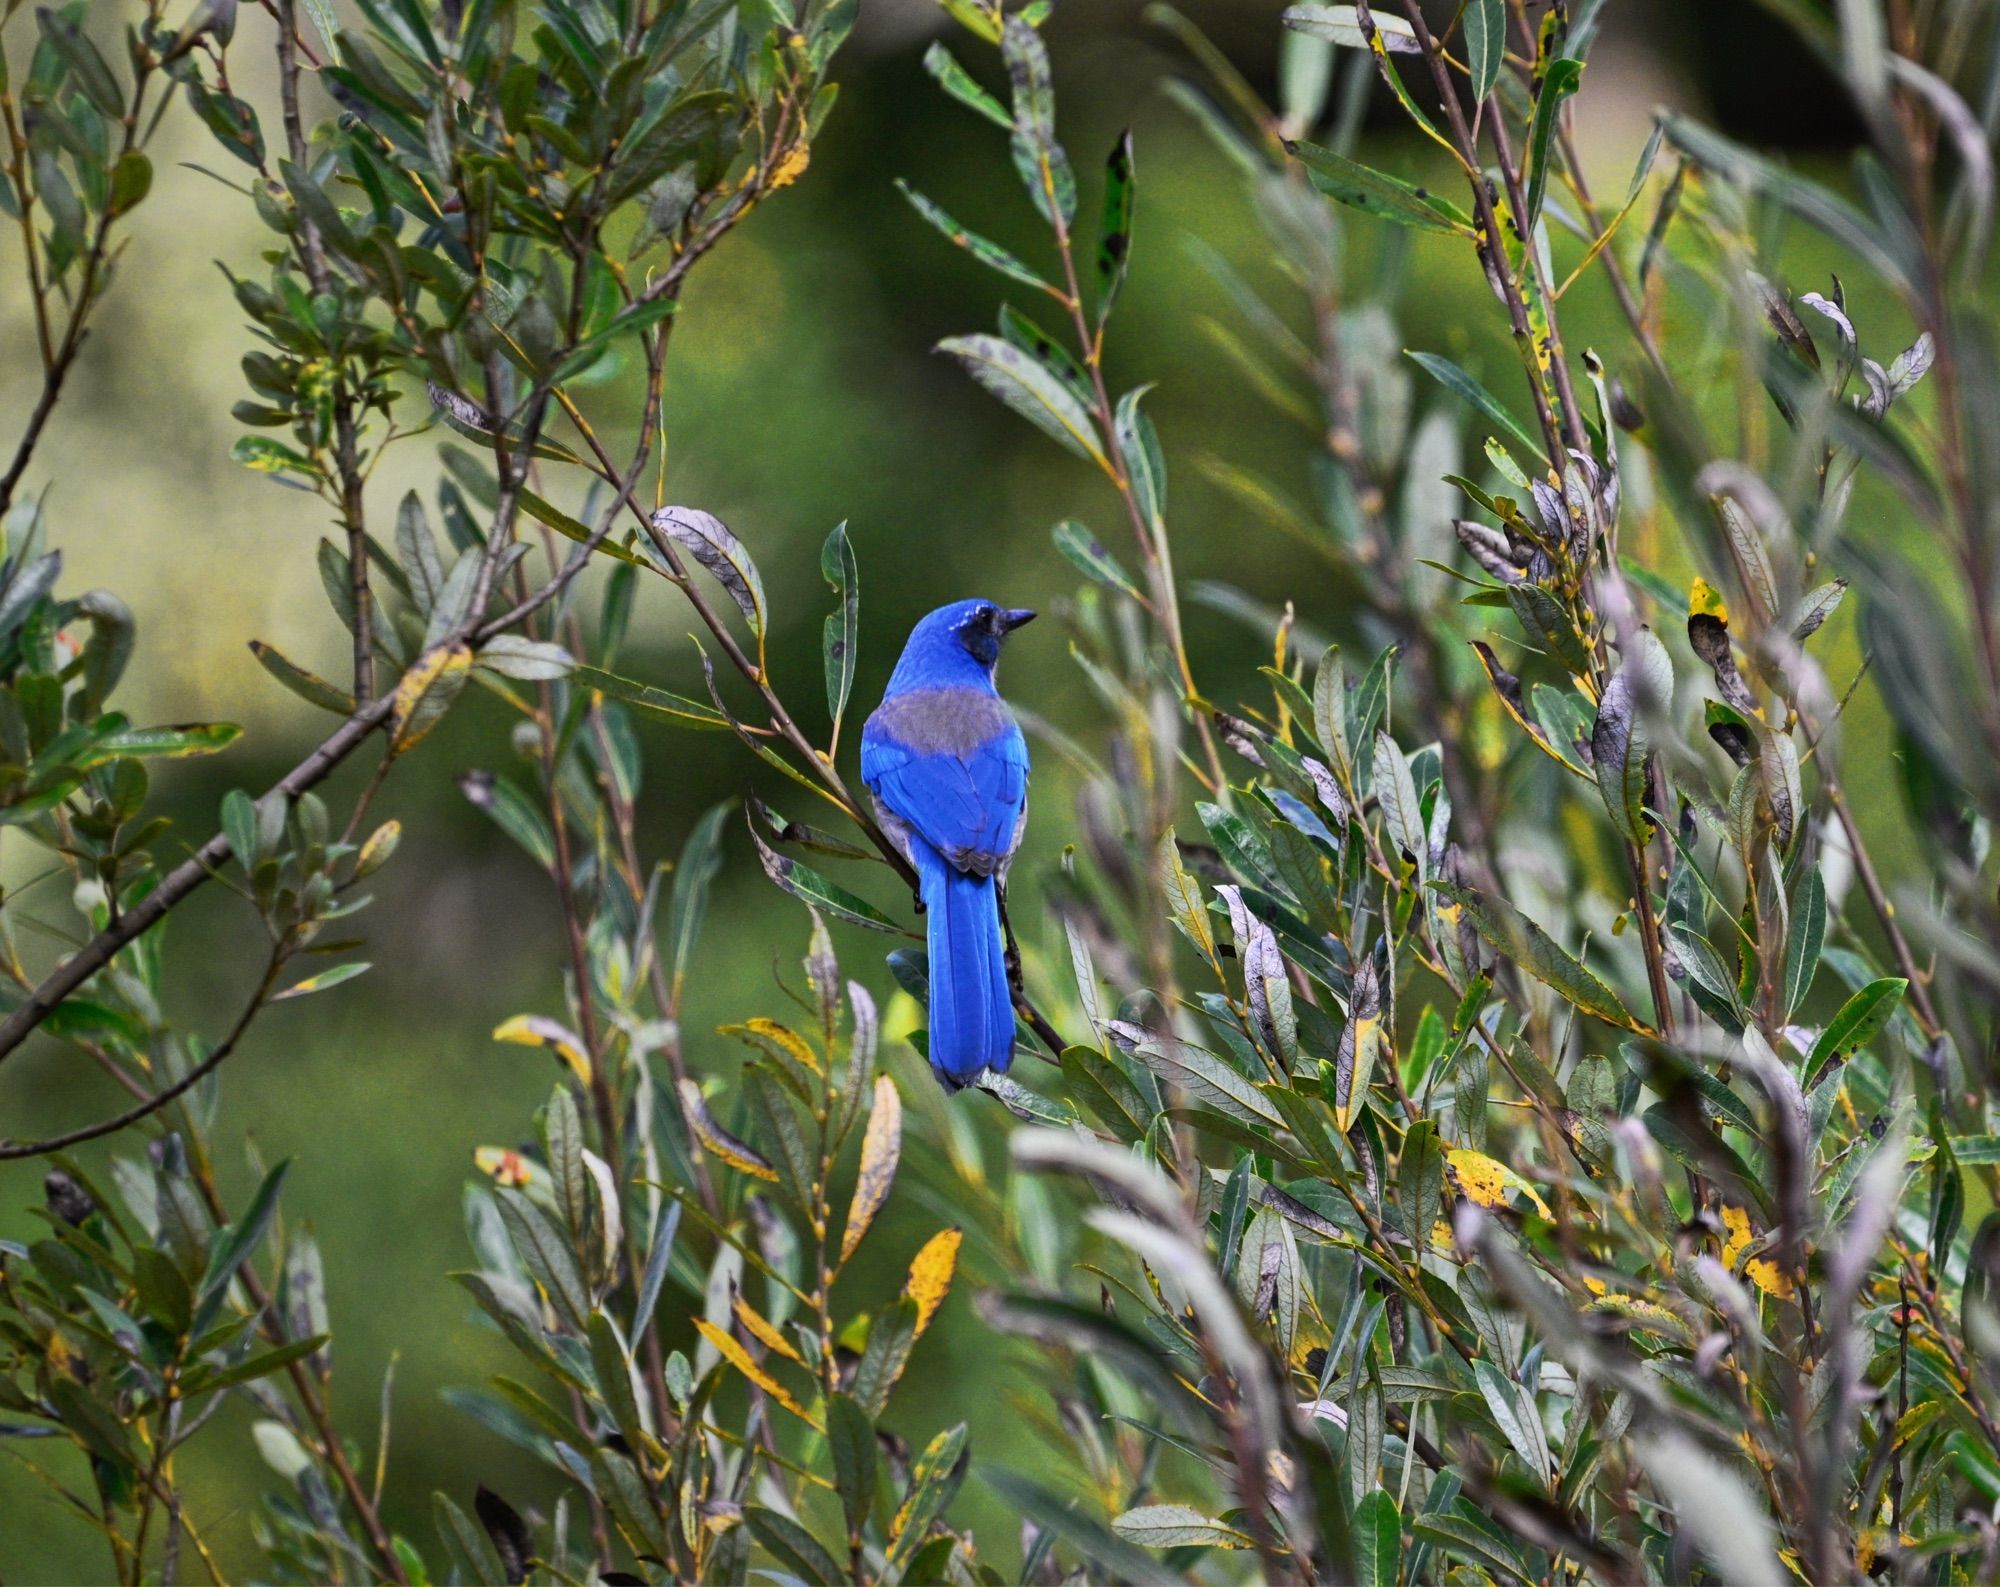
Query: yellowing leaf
[[779, 1040], [1760, 1270], [765, 1331], [791, 165], [881, 1147], [719, 1143], [930, 1275], [506, 1166], [537, 1030], [425, 692], [1703, 601], [1488, 1182], [727, 1346]]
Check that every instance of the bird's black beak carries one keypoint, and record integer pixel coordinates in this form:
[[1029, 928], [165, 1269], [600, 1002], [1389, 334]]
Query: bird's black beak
[[1020, 617]]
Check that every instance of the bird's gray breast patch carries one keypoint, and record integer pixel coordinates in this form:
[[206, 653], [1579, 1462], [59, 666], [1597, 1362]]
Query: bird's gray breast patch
[[943, 721]]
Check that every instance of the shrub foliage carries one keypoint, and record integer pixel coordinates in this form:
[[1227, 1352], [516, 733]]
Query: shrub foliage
[[1480, 1112]]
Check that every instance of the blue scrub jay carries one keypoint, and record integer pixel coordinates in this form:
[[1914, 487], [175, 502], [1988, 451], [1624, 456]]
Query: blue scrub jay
[[948, 768]]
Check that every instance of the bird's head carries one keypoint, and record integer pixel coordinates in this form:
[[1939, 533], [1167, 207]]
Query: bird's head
[[975, 628]]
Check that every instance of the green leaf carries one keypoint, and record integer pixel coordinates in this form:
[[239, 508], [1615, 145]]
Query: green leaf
[[324, 980], [1139, 447], [1515, 935], [934, 1479], [1551, 630], [1376, 192], [1513, 1407], [87, 66], [987, 252], [529, 660], [809, 886], [851, 1436], [1088, 555], [231, 1248], [840, 639], [796, 1549], [1485, 43], [1422, 1181], [546, 1253], [1858, 1022], [1207, 1078], [1802, 944], [1468, 390], [700, 863], [956, 81], [571, 529], [1114, 235], [308, 686], [171, 743], [1560, 79], [1473, 1539], [1378, 1539], [1030, 390], [514, 813], [675, 708], [1176, 1526]]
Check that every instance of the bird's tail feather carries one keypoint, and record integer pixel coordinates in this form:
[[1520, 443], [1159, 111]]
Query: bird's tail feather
[[972, 1008]]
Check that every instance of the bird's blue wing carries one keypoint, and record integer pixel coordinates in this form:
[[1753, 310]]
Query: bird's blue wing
[[965, 801]]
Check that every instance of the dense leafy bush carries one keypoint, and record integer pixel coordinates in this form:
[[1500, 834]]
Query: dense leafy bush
[[1493, 1118]]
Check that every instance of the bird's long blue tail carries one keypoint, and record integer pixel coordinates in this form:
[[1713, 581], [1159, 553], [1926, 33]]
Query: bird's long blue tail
[[972, 1009]]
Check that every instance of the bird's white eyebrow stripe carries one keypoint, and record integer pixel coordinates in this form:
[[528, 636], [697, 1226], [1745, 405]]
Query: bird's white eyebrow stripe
[[946, 721]]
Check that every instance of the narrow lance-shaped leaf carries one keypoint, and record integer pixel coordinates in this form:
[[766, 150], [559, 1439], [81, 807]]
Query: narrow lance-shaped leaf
[[1464, 387], [1089, 556], [1485, 47], [881, 1146], [1342, 25], [1362, 187], [931, 1272], [809, 886], [986, 251], [1559, 80], [1361, 1044], [675, 708], [308, 686], [955, 80], [1859, 1020], [731, 1350], [1114, 238], [841, 637], [1035, 393], [1176, 1526], [709, 541], [934, 1478], [1515, 935]]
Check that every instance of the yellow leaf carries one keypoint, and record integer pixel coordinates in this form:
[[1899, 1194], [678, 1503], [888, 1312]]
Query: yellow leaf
[[791, 165], [765, 1331], [1488, 1182], [930, 1275], [537, 1030], [727, 1346], [503, 1164], [881, 1146], [1760, 1270], [424, 693], [1703, 601], [777, 1039], [380, 845], [718, 1141]]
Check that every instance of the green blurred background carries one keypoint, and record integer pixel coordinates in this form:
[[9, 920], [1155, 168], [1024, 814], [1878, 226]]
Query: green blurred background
[[802, 392]]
